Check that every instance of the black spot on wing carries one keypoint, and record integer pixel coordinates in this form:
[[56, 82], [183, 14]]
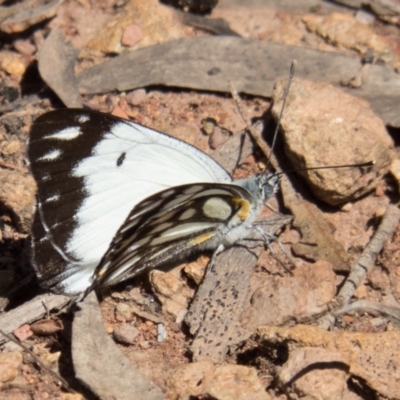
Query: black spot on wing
[[121, 159]]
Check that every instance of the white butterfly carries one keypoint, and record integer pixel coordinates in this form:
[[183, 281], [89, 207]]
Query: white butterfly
[[116, 198]]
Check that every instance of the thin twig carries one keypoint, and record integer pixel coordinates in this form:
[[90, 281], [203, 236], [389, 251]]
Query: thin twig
[[363, 265], [13, 166], [39, 362], [371, 307], [367, 259], [255, 131]]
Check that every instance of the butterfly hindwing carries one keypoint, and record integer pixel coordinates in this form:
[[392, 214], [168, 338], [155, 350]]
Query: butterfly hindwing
[[92, 170], [171, 225]]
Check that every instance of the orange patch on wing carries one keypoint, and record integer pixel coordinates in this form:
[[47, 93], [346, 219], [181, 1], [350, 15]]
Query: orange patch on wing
[[244, 205], [202, 238]]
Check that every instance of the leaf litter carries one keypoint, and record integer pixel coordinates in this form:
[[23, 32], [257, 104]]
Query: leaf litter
[[180, 112]]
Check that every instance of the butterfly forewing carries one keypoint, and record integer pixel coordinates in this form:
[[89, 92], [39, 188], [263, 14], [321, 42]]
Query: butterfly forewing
[[171, 225], [91, 171]]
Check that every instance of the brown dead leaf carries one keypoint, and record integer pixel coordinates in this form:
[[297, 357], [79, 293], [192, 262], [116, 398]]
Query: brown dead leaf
[[100, 364], [47, 327], [56, 67]]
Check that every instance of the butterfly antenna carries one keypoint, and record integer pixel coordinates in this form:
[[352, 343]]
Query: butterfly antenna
[[365, 164], [284, 98]]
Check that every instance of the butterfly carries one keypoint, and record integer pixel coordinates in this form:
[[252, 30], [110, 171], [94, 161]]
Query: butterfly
[[116, 199]]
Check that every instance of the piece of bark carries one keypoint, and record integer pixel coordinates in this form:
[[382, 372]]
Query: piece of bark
[[22, 16], [251, 66], [31, 311], [100, 364], [56, 66], [387, 10], [317, 240], [215, 312]]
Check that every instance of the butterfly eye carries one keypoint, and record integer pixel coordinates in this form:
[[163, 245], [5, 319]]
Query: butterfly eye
[[268, 185]]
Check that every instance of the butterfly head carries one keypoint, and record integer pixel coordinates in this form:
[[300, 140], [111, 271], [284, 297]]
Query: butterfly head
[[268, 184], [260, 186]]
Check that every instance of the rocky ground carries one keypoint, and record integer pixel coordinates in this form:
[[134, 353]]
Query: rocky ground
[[324, 322]]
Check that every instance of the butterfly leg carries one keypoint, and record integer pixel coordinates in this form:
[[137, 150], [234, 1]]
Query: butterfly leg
[[210, 265], [268, 238]]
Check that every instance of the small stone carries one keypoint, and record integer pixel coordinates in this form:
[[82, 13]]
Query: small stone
[[24, 47], [208, 125], [218, 137], [123, 312], [306, 293], [125, 334], [347, 207], [119, 112], [324, 126], [12, 63], [23, 332], [195, 270], [171, 291], [161, 333], [131, 36], [136, 97]]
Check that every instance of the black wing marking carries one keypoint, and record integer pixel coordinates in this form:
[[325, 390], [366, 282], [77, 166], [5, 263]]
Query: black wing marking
[[60, 194]]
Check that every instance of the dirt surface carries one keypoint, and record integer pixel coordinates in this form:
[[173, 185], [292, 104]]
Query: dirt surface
[[267, 364]]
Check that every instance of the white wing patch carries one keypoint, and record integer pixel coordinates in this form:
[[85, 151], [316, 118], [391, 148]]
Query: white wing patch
[[56, 197], [83, 118], [65, 134], [51, 156]]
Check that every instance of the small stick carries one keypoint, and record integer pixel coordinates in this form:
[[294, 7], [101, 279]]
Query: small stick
[[39, 362], [13, 166], [363, 265], [371, 307], [367, 259]]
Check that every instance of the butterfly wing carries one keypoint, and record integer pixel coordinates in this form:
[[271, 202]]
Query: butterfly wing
[[91, 170], [173, 224]]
